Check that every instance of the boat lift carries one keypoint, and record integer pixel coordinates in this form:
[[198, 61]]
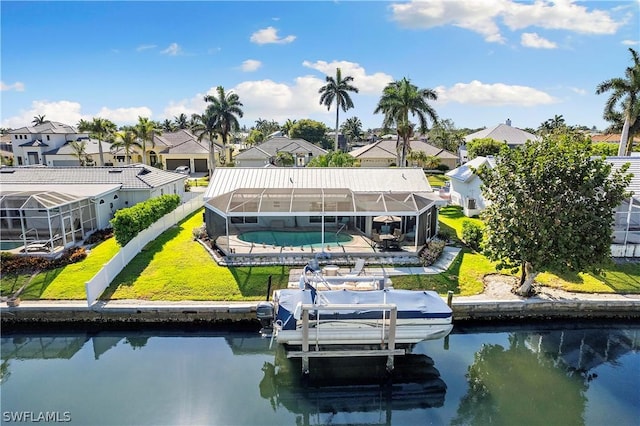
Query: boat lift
[[387, 336]]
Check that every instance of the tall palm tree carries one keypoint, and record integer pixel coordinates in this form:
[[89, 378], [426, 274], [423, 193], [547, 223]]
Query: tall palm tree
[[127, 140], [337, 89], [145, 130], [100, 128], [226, 107], [626, 93], [207, 125], [79, 150], [286, 127], [38, 119], [399, 98], [168, 126], [181, 121]]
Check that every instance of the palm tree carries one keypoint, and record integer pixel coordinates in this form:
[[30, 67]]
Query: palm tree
[[284, 159], [226, 108], [38, 119], [286, 127], [168, 126], [399, 99], [100, 128], [79, 150], [127, 140], [181, 121], [207, 125], [352, 129], [145, 130], [626, 93], [337, 89]]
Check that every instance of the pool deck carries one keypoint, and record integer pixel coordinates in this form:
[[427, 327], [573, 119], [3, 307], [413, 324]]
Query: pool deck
[[493, 304]]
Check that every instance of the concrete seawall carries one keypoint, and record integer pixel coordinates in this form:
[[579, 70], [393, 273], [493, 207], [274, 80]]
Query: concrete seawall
[[472, 308]]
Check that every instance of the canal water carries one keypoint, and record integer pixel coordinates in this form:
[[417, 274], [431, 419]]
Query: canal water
[[480, 375]]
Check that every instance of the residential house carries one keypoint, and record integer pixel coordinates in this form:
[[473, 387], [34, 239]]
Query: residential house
[[350, 201], [182, 148], [267, 151], [31, 143], [626, 228], [62, 205], [513, 136], [465, 187], [382, 153], [66, 155]]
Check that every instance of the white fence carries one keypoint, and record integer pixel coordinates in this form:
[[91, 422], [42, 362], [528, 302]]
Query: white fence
[[97, 285]]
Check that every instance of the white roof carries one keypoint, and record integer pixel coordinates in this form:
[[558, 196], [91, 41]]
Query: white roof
[[73, 189], [357, 179], [464, 173], [634, 167], [503, 132]]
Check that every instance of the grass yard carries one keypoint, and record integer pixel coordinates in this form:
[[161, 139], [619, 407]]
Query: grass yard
[[175, 267], [437, 180]]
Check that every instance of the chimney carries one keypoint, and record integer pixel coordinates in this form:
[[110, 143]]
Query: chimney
[[508, 123]]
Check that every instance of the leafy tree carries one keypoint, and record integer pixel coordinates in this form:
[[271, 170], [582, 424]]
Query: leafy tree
[[444, 135], [99, 128], [604, 148], [226, 107], [555, 124], [626, 94], [423, 160], [484, 147], [207, 125], [337, 89], [352, 129], [38, 119], [550, 207], [255, 137], [284, 159], [333, 159], [127, 140], [145, 130], [400, 98], [311, 131], [286, 127], [266, 127]]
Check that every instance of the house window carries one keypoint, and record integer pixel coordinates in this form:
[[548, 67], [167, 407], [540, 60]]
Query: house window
[[471, 204], [48, 138], [19, 161]]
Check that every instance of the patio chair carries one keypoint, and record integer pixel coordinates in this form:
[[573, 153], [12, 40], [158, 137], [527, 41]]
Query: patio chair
[[358, 268]]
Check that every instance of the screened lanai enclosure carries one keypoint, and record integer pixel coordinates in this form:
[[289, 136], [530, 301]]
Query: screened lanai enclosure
[[44, 221], [305, 221]]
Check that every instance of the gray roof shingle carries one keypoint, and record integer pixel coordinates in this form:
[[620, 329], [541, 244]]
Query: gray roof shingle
[[271, 147]]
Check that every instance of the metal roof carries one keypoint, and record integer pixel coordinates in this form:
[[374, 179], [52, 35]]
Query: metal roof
[[465, 173], [634, 167], [503, 132], [271, 147], [356, 179], [387, 149]]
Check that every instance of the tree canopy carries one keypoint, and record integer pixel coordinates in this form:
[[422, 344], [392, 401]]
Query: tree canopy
[[311, 131], [550, 207], [333, 159], [484, 147]]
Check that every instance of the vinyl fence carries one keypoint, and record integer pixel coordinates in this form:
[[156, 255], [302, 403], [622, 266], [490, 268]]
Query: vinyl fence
[[97, 285]]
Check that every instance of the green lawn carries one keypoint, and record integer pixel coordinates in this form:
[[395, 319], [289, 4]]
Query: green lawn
[[437, 180]]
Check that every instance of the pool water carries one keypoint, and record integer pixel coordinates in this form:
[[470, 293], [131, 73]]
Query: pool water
[[294, 239], [10, 245]]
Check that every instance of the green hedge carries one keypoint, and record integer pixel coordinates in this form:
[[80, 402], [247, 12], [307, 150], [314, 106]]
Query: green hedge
[[127, 223]]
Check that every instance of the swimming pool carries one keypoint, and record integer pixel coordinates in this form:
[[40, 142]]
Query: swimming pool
[[294, 238], [10, 245]]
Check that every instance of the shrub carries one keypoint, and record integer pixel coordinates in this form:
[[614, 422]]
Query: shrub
[[442, 167], [16, 264], [432, 251], [99, 236], [127, 223], [200, 232], [444, 235], [472, 234]]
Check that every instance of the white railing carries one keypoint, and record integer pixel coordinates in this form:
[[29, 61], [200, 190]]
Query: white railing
[[98, 284]]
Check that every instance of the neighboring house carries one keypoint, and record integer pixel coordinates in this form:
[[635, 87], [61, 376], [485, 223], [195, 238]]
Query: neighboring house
[[319, 198], [6, 150], [610, 138], [62, 205], [182, 148], [31, 143], [65, 155], [465, 187], [513, 136], [266, 152], [626, 228], [383, 153]]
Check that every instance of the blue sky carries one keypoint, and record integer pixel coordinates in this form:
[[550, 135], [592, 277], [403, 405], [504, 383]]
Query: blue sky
[[488, 60]]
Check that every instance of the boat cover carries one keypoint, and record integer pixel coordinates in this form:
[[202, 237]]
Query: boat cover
[[410, 303]]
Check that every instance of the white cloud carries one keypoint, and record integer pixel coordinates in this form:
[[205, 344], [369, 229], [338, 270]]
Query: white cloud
[[195, 105], [251, 65], [537, 42], [17, 86], [173, 50], [70, 112], [481, 16], [269, 35], [578, 90], [366, 83], [124, 115], [497, 94], [145, 47], [630, 42]]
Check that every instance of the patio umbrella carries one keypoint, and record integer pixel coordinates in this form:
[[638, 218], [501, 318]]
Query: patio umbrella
[[387, 219]]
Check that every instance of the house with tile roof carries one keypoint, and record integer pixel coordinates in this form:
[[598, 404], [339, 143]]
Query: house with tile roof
[[182, 148], [513, 137], [383, 153], [265, 153], [31, 143], [62, 205]]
